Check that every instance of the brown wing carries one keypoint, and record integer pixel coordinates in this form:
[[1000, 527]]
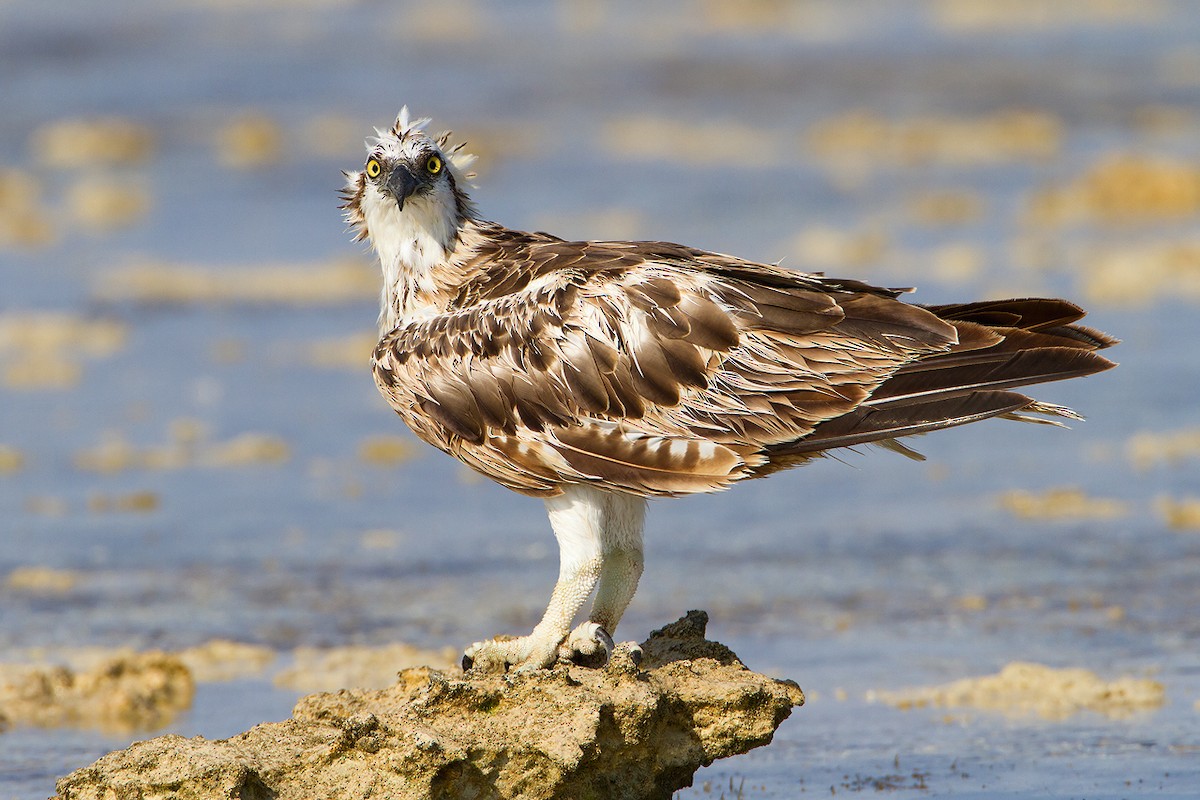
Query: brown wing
[[659, 370]]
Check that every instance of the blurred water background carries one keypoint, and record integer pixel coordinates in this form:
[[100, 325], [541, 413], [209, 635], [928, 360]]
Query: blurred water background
[[191, 446]]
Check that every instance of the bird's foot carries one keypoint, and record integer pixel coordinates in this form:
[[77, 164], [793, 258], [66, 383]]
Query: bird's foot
[[589, 645], [523, 653]]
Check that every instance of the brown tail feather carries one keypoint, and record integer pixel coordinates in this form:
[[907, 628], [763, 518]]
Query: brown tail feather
[[1002, 370], [1002, 344], [1031, 313], [867, 424]]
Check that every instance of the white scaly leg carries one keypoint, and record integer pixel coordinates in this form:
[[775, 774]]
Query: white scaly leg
[[621, 568], [577, 516]]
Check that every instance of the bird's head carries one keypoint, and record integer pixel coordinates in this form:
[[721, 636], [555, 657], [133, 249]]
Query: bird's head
[[411, 183]]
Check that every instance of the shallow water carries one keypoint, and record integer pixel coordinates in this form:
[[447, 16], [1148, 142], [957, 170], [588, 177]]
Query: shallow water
[[850, 576]]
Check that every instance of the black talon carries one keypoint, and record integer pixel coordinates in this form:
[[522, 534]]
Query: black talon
[[467, 663], [635, 654], [597, 659]]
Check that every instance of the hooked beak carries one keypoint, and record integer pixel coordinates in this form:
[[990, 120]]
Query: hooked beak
[[400, 184]]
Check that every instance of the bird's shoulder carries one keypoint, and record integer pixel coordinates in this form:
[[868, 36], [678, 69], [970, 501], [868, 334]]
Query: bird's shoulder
[[496, 261]]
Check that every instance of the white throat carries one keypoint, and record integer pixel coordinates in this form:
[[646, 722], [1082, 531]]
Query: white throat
[[411, 244]]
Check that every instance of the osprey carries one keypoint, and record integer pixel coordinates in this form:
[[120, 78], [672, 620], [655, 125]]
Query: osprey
[[598, 374]]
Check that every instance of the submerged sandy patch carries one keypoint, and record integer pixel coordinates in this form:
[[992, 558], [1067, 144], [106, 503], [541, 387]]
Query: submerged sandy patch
[[1122, 188], [92, 142], [45, 349], [164, 283], [188, 446], [864, 140], [1028, 689], [358, 667], [12, 460], [386, 451], [1061, 504], [42, 580], [343, 352], [1148, 449], [225, 660], [249, 141], [1181, 514]]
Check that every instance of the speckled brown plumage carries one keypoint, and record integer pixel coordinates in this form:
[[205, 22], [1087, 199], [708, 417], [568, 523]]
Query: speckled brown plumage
[[657, 369]]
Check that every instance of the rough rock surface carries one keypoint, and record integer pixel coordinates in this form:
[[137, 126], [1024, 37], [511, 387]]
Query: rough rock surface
[[622, 732], [123, 692]]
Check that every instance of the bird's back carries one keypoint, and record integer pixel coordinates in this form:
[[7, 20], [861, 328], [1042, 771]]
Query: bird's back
[[657, 369]]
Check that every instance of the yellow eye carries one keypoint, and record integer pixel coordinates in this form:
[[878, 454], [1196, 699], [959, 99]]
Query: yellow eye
[[433, 165], [373, 168]]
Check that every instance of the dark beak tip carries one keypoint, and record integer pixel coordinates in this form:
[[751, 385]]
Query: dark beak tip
[[401, 184]]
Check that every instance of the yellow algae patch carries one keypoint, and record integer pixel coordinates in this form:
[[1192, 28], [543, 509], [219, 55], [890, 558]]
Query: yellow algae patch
[[101, 204], [827, 249], [332, 283], [946, 207], [43, 349], [357, 667], [225, 660], [188, 448], [987, 16], [692, 143], [18, 189], [822, 247], [94, 142], [12, 460], [1181, 514], [141, 502], [28, 226], [1138, 275], [1122, 189], [863, 139], [45, 505], [1146, 449], [1061, 504], [1026, 689], [40, 332], [34, 375], [955, 263], [971, 602], [386, 451], [380, 539], [344, 352], [42, 580], [24, 222], [125, 692], [249, 141], [245, 450], [812, 21]]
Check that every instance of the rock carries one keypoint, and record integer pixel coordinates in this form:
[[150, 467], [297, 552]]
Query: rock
[[122, 693], [622, 732]]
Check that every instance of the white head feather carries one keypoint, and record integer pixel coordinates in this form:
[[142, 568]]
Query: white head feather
[[414, 237]]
